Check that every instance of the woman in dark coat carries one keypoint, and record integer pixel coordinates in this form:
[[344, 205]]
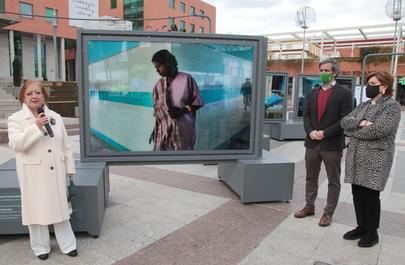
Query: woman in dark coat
[[372, 127]]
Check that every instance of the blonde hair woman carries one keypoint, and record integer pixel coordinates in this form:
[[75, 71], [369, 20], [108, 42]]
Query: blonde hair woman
[[43, 162]]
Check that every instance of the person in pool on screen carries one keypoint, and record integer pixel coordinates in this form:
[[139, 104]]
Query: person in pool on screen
[[176, 98], [246, 91]]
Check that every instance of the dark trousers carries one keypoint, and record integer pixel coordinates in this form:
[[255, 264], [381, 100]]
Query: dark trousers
[[331, 160], [367, 207]]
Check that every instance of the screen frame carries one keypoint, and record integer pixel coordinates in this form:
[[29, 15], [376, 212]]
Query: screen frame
[[158, 157], [296, 88], [285, 74]]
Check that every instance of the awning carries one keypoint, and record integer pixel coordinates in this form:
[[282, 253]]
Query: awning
[[7, 21]]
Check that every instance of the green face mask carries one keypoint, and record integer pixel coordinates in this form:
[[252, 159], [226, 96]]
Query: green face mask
[[326, 77]]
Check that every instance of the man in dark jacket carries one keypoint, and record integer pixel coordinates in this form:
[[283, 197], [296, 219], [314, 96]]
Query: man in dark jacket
[[325, 141], [246, 91]]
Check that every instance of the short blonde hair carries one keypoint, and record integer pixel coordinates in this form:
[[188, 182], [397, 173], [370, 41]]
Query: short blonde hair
[[28, 83]]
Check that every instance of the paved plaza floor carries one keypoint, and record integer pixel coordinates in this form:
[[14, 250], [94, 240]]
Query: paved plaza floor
[[182, 214]]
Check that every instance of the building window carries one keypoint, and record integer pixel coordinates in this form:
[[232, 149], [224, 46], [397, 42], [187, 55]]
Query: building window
[[2, 5], [192, 28], [202, 13], [35, 60], [17, 44], [182, 7], [182, 26], [201, 29], [50, 15], [134, 9], [26, 9], [113, 4], [171, 4], [192, 10], [17, 50], [171, 22]]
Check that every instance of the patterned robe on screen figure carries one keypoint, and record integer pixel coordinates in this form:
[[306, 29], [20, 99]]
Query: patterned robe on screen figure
[[175, 134]]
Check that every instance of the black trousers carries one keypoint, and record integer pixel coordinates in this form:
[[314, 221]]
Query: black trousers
[[367, 207]]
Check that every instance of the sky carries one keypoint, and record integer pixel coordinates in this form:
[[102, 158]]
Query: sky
[[260, 17]]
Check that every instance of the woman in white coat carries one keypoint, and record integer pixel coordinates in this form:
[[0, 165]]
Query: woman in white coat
[[43, 162]]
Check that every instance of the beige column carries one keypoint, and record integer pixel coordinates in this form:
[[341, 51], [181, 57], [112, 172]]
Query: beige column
[[39, 56], [62, 60], [11, 45]]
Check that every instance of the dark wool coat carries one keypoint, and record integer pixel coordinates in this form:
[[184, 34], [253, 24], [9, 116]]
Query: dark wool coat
[[371, 148], [340, 104]]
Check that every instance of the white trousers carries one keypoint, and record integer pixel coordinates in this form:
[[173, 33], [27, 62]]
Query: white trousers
[[40, 242]]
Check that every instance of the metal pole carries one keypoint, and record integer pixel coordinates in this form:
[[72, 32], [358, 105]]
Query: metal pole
[[399, 37], [55, 45], [393, 47], [321, 52], [335, 49], [394, 71], [303, 52]]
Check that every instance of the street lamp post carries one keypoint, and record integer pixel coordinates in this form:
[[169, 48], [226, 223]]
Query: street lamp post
[[303, 51], [305, 15], [395, 10]]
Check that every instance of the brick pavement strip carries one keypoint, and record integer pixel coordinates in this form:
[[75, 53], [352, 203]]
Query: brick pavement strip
[[223, 236]]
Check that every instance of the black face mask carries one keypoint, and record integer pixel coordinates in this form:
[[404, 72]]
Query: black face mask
[[372, 91]]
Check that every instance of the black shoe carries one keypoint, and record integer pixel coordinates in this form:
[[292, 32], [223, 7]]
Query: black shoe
[[368, 240], [354, 234], [72, 253], [43, 256]]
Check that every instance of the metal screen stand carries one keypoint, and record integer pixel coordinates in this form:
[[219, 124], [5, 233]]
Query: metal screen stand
[[269, 178]]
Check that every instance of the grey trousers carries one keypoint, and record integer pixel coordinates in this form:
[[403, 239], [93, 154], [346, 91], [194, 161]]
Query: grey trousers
[[331, 160]]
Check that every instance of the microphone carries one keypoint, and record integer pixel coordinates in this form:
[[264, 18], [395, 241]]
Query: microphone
[[47, 126]]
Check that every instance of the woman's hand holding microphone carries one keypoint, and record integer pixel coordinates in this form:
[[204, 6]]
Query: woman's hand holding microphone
[[42, 119]]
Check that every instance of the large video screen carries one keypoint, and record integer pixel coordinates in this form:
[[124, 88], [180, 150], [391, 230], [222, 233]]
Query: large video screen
[[275, 97], [170, 97], [305, 83]]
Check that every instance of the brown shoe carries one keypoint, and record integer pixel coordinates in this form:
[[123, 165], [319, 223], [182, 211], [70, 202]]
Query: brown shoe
[[326, 219], [306, 211]]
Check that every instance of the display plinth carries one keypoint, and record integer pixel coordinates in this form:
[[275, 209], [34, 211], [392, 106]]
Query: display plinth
[[285, 130], [269, 178], [88, 204], [266, 142]]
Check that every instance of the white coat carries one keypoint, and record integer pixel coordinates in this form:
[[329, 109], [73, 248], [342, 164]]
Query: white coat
[[42, 165]]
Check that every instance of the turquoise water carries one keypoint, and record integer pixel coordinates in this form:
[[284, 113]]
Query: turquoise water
[[101, 50], [144, 99]]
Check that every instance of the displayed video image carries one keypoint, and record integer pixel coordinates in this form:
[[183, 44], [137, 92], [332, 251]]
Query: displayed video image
[[146, 96], [275, 95]]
